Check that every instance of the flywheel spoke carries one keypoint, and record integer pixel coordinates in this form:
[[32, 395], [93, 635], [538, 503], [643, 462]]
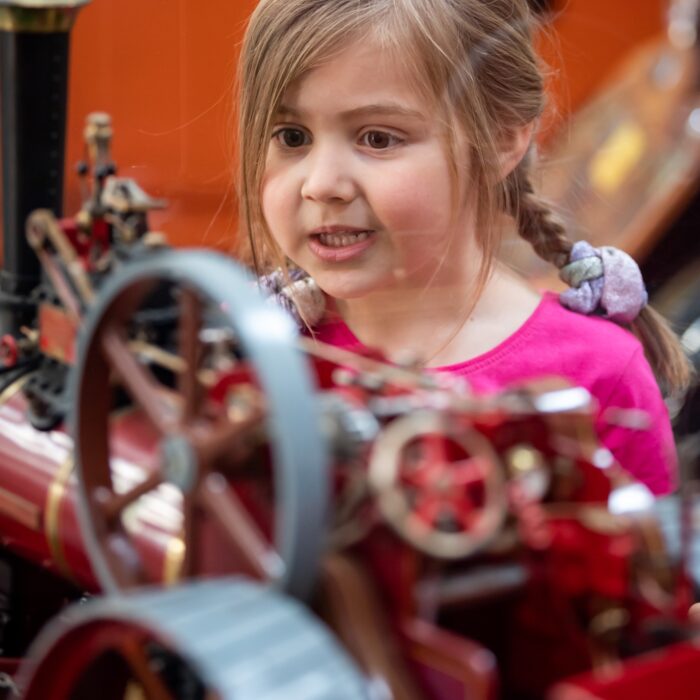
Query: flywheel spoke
[[234, 521], [112, 504], [428, 507], [135, 655], [192, 528], [434, 449], [190, 350], [467, 514], [138, 381], [422, 475], [469, 471], [225, 437]]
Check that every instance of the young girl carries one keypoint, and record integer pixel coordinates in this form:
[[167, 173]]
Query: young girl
[[385, 145]]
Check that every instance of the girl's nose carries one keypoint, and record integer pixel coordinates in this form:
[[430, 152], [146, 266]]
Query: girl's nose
[[328, 177]]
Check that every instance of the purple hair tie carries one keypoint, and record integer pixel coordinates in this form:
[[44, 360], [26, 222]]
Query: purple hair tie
[[296, 293], [603, 279]]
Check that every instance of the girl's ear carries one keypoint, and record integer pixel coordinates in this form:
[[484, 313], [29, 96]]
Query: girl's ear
[[514, 146]]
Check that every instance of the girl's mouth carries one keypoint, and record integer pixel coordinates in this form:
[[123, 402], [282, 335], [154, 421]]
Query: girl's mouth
[[338, 246], [342, 240]]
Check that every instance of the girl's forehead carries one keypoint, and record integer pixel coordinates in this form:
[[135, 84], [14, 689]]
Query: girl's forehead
[[360, 73]]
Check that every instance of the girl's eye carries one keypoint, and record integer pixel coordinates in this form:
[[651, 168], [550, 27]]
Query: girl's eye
[[290, 137], [379, 140]]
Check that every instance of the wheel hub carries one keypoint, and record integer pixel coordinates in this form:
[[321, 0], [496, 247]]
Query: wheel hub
[[179, 462]]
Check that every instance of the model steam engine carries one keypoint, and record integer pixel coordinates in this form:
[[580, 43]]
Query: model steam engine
[[163, 426]]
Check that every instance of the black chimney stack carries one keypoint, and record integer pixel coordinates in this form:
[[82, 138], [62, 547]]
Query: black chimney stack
[[34, 44]]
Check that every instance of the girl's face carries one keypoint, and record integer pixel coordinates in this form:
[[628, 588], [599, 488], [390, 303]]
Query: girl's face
[[357, 188]]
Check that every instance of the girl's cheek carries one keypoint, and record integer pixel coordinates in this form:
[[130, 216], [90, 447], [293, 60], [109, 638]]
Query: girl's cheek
[[274, 201], [409, 206]]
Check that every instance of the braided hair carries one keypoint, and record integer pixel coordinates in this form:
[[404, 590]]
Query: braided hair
[[537, 224]]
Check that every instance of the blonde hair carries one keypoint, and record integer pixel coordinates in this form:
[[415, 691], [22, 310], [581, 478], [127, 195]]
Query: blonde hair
[[475, 60]]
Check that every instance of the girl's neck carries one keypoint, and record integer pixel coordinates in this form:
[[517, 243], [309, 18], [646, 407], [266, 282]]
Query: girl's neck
[[400, 322], [443, 324]]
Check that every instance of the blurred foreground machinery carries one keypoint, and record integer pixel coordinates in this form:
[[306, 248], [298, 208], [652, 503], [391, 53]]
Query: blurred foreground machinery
[[274, 518]]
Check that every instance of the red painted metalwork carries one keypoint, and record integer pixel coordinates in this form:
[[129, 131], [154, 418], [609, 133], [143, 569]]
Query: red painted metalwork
[[38, 516], [556, 593], [56, 333], [666, 673]]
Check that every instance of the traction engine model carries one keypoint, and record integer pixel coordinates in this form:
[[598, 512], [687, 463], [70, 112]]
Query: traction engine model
[[211, 505]]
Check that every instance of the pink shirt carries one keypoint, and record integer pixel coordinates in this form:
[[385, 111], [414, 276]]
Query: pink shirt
[[591, 352]]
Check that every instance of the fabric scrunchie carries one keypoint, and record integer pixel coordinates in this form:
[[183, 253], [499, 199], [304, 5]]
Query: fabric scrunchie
[[295, 292], [603, 279]]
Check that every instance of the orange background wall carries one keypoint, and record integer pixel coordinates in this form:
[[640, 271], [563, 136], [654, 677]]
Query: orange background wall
[[164, 70], [590, 37]]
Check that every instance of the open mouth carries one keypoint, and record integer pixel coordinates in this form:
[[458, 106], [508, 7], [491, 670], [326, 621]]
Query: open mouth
[[342, 240], [338, 246]]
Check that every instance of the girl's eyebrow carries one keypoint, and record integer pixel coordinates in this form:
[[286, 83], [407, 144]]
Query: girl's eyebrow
[[387, 109]]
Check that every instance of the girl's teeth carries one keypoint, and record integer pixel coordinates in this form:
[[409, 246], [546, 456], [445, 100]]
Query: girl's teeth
[[340, 240]]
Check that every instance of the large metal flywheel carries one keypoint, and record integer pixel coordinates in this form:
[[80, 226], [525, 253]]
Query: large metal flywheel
[[184, 340]]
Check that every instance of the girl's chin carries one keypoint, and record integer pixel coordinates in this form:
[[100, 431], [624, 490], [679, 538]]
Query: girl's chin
[[348, 289]]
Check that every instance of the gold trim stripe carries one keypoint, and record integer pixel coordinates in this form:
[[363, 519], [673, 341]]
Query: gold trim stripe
[[52, 511], [11, 389], [173, 558]]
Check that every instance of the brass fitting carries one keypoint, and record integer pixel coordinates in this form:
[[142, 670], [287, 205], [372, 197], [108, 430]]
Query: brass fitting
[[38, 16]]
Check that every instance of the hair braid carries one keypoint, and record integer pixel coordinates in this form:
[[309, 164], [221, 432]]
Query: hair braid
[[538, 226], [535, 220]]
